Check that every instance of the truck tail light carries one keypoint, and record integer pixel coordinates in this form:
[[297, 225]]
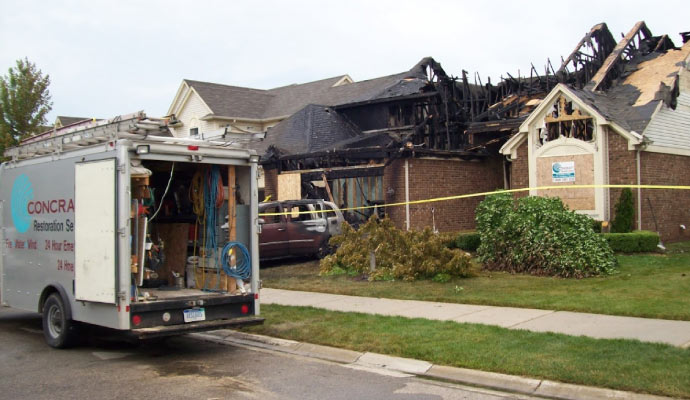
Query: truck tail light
[[244, 309], [136, 320]]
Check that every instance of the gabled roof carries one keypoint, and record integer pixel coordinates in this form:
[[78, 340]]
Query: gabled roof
[[232, 101], [648, 81], [647, 84], [584, 99], [240, 102], [313, 128]]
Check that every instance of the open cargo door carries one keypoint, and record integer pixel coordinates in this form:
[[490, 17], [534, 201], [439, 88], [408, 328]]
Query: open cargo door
[[95, 231]]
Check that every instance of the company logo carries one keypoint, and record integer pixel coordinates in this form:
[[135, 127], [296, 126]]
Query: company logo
[[556, 167], [22, 194]]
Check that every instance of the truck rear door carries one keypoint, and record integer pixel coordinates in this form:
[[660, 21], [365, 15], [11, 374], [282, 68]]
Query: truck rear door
[[95, 235]]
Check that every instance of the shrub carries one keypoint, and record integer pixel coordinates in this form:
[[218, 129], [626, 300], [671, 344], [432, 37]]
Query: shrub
[[634, 242], [399, 255], [468, 241], [625, 213], [596, 225], [539, 236]]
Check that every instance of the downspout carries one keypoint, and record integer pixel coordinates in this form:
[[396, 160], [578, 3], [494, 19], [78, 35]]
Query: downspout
[[506, 185], [639, 192], [407, 194]]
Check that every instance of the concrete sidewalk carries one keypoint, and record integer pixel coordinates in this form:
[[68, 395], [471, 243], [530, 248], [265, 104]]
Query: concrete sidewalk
[[676, 333]]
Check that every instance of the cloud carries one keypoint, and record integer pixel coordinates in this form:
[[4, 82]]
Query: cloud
[[108, 58]]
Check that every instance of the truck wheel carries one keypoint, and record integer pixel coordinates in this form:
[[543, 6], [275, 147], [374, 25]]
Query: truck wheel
[[58, 331]]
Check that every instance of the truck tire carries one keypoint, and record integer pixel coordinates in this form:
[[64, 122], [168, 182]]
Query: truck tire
[[58, 331]]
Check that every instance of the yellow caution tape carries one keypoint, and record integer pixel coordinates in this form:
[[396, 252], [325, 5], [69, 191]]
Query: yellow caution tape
[[466, 196]]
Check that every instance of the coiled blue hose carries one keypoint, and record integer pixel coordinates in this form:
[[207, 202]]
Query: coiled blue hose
[[243, 270]]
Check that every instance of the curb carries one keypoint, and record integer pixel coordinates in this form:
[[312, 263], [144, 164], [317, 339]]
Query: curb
[[488, 380]]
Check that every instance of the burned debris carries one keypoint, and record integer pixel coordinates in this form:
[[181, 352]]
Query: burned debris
[[364, 128]]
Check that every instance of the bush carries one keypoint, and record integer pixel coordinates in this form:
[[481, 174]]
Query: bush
[[399, 255], [596, 225], [468, 241], [539, 236], [634, 242], [625, 213]]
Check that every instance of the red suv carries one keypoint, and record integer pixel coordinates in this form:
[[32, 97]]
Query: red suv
[[302, 229]]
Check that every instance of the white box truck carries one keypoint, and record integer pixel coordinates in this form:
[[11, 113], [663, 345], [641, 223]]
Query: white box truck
[[101, 223]]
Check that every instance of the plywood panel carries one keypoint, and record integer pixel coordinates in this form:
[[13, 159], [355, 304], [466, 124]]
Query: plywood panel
[[175, 238], [575, 199], [289, 187]]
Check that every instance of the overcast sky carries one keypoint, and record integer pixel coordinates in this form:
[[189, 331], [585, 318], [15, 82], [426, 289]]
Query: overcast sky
[[107, 58]]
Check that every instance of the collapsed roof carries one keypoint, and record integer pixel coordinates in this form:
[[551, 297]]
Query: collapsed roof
[[425, 110]]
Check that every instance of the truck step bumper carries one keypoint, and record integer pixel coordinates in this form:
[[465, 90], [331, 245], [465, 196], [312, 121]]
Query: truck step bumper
[[170, 330]]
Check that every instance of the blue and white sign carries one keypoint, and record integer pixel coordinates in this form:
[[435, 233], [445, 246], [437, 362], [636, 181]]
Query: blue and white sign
[[563, 171]]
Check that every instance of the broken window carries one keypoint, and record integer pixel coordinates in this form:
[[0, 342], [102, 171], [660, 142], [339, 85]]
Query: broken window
[[568, 122]]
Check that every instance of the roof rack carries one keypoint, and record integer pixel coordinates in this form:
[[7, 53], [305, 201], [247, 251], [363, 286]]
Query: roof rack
[[135, 126], [95, 132]]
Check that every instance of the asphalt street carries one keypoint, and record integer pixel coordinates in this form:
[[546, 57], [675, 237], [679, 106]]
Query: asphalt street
[[188, 368]]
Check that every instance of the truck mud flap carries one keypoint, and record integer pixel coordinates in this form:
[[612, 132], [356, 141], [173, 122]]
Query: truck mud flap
[[170, 330]]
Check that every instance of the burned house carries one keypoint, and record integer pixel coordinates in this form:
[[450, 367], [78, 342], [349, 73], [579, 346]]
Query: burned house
[[390, 140], [621, 116], [612, 113]]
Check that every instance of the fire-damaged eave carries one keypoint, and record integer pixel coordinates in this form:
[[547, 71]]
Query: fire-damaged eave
[[363, 155], [386, 100]]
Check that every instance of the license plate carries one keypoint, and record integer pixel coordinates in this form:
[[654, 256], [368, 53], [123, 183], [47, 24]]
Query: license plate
[[194, 314]]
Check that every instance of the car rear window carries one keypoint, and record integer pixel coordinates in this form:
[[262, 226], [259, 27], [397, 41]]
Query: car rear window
[[271, 219], [295, 215]]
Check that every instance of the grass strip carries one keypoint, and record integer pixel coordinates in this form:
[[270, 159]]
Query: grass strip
[[646, 285], [617, 364]]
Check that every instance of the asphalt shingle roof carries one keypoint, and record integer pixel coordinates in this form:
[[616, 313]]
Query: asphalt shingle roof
[[313, 128], [234, 101]]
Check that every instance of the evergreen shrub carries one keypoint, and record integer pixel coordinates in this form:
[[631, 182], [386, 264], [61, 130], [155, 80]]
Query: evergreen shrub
[[540, 236]]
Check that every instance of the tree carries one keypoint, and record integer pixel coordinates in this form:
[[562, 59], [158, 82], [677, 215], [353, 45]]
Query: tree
[[24, 103], [625, 213]]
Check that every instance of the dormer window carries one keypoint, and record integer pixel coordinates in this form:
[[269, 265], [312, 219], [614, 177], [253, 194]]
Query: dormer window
[[565, 121]]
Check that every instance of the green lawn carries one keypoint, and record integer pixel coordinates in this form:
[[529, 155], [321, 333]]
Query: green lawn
[[648, 285], [617, 364]]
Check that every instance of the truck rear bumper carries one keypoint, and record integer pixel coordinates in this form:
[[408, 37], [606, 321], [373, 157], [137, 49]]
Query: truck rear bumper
[[170, 330]]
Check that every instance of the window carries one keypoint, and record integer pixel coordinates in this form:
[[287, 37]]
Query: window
[[272, 219], [565, 121], [295, 215], [193, 131]]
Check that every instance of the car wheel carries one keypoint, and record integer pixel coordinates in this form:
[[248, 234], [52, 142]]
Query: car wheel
[[58, 331]]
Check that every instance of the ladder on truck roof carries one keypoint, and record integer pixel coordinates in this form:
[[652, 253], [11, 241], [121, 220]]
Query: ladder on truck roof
[[129, 126]]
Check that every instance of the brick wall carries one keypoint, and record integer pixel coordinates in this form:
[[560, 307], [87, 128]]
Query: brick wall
[[271, 183], [519, 170], [670, 207], [431, 178], [622, 171]]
